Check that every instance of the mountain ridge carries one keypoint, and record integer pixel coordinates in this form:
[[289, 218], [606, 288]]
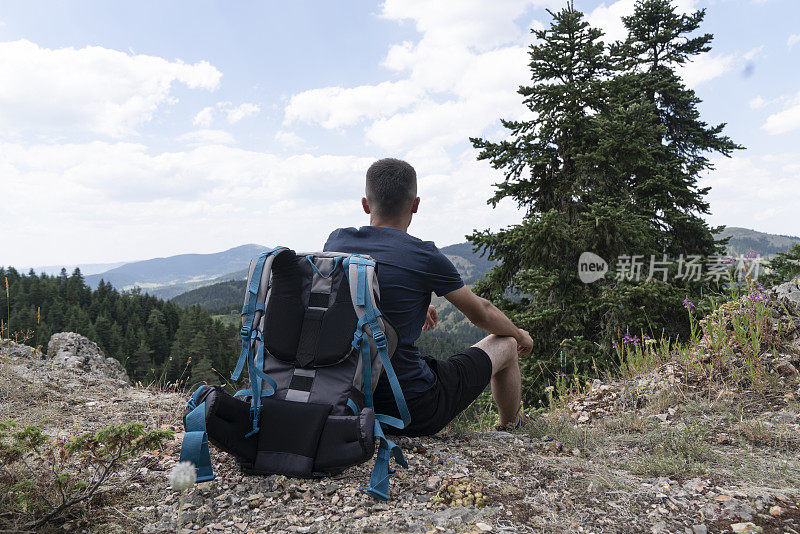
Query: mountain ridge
[[170, 276]]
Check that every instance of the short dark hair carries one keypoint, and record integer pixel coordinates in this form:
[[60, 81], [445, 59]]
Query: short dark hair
[[391, 187]]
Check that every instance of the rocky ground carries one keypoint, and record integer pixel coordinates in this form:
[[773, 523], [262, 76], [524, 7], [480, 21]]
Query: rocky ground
[[685, 447]]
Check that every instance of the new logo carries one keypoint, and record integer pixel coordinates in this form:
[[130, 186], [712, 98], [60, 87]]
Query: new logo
[[591, 267]]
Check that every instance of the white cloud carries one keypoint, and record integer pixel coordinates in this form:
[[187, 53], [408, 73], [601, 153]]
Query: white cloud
[[288, 139], [237, 113], [786, 120], [208, 137], [705, 67], [458, 78], [110, 198], [204, 117], [99, 201], [755, 192], [334, 107], [792, 40], [97, 89]]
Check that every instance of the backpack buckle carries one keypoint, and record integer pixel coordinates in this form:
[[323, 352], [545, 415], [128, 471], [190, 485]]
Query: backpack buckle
[[379, 337], [245, 332], [357, 337]]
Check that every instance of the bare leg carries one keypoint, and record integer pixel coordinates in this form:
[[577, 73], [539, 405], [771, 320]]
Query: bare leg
[[506, 378]]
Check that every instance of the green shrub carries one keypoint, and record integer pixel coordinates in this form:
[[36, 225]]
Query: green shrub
[[42, 479]]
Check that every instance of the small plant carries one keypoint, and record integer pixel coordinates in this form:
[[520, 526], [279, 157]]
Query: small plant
[[479, 416], [42, 479], [674, 452], [459, 492], [637, 355], [561, 428], [181, 478]]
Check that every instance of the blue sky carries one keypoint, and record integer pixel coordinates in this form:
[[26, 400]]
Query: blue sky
[[135, 130]]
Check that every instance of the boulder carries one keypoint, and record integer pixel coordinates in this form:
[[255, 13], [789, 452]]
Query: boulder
[[77, 352], [789, 290], [10, 349]]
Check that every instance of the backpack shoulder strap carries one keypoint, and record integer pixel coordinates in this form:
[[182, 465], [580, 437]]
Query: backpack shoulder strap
[[363, 285], [194, 447], [252, 353]]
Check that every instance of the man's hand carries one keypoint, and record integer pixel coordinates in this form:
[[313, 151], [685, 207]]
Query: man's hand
[[431, 320], [524, 342]]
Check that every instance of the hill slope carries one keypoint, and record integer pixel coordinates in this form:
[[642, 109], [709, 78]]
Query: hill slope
[[743, 240], [679, 443], [180, 269], [219, 298]]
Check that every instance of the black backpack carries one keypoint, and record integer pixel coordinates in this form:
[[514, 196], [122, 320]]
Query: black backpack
[[315, 344]]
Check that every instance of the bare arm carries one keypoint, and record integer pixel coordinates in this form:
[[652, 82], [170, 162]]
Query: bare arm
[[486, 316]]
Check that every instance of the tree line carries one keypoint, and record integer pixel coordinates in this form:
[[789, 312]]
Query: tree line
[[156, 341]]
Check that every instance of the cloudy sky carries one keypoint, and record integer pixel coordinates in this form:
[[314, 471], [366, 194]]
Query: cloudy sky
[[149, 128]]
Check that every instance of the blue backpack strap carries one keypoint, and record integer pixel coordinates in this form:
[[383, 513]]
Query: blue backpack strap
[[250, 335], [195, 441], [381, 472]]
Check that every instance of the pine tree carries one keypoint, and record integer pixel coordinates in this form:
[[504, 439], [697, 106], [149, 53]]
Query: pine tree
[[785, 266], [660, 41], [141, 364], [591, 174], [202, 372], [157, 337]]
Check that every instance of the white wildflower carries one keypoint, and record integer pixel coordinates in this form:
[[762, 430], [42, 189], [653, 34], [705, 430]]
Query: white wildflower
[[182, 476]]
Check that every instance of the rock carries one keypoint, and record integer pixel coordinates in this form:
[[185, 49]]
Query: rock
[[555, 446], [746, 527], [785, 368], [76, 352], [789, 291], [699, 529], [484, 527], [776, 511], [786, 416], [432, 484], [10, 349], [659, 528]]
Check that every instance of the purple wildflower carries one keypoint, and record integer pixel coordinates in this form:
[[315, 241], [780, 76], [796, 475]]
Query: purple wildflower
[[688, 304], [728, 261], [633, 340], [751, 255], [645, 337]]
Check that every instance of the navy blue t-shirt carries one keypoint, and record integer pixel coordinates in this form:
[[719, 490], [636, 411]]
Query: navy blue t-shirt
[[409, 270]]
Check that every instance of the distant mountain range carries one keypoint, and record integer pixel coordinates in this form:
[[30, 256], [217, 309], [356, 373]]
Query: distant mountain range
[[743, 240], [171, 276], [226, 297], [188, 274]]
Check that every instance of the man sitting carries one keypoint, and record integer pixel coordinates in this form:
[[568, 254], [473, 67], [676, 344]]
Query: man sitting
[[409, 270]]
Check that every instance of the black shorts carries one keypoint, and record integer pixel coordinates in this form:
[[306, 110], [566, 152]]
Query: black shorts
[[459, 380]]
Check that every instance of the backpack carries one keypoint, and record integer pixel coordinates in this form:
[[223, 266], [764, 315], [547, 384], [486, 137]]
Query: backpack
[[315, 344]]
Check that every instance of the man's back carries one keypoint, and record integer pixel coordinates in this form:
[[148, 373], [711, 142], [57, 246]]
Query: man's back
[[409, 270]]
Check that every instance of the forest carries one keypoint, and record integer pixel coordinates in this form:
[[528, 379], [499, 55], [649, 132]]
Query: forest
[[156, 341]]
